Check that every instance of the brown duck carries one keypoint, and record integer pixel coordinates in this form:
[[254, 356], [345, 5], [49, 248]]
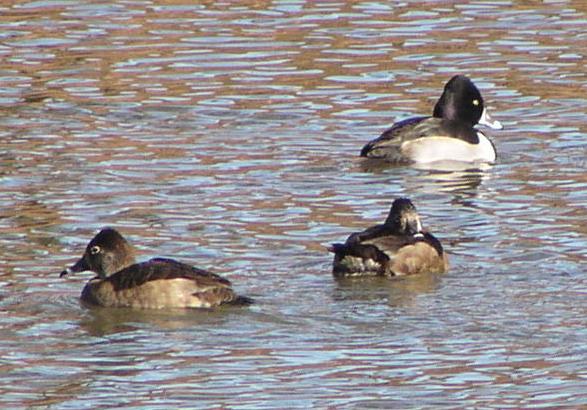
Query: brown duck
[[398, 247], [156, 284]]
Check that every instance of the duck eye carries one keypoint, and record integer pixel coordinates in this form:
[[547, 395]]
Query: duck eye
[[475, 102], [95, 249]]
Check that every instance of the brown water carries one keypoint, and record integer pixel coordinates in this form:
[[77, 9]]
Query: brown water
[[226, 135]]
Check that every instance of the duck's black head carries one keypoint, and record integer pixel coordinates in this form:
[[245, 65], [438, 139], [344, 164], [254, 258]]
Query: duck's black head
[[460, 101]]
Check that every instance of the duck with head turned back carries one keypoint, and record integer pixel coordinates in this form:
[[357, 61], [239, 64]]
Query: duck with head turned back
[[156, 284], [449, 135], [398, 247]]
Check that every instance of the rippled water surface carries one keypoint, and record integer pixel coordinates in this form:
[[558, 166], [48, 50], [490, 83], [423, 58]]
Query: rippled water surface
[[226, 134]]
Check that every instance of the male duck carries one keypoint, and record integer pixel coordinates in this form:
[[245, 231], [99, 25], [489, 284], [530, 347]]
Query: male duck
[[449, 135], [156, 284], [398, 247]]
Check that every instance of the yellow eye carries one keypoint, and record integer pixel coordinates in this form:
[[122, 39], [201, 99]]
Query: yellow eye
[[94, 250], [475, 102]]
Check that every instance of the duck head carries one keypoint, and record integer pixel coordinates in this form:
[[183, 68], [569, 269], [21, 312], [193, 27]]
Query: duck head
[[461, 101], [403, 218], [108, 252]]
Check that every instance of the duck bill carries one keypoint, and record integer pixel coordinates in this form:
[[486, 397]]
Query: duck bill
[[488, 121], [79, 266]]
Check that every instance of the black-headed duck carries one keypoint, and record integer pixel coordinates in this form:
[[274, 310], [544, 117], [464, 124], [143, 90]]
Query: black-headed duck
[[156, 284], [449, 135], [398, 247]]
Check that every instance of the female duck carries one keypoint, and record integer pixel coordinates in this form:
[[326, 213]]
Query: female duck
[[398, 247], [156, 284], [449, 135]]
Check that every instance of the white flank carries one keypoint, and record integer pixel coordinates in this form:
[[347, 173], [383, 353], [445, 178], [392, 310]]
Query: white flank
[[431, 149]]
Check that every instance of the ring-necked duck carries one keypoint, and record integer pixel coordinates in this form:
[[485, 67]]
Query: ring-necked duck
[[156, 284], [397, 247], [449, 135]]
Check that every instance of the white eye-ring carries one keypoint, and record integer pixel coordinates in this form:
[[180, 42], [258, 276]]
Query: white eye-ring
[[95, 249], [475, 102]]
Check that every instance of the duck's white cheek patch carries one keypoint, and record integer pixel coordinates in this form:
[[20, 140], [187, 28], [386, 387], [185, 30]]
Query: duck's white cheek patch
[[431, 149]]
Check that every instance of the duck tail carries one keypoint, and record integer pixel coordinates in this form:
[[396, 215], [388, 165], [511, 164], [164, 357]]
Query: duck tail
[[242, 301], [336, 247], [367, 149]]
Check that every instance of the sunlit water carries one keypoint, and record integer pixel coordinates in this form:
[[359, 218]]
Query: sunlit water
[[226, 135]]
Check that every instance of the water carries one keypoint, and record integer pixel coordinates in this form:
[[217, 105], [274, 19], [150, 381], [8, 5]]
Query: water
[[226, 135]]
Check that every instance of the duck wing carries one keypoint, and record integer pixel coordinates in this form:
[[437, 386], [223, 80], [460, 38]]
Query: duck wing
[[165, 269], [388, 144], [354, 241], [367, 253], [370, 243]]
